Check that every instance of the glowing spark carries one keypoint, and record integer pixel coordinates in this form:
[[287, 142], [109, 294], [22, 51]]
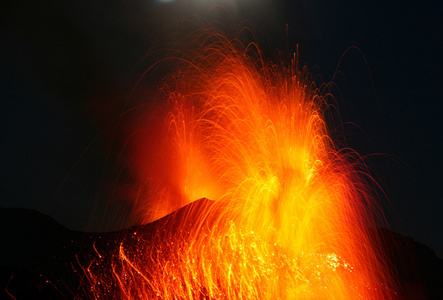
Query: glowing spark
[[290, 213]]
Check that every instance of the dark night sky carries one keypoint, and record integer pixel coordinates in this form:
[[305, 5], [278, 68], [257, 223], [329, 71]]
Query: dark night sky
[[60, 60]]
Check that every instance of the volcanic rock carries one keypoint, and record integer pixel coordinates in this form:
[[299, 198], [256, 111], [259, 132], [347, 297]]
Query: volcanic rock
[[41, 259]]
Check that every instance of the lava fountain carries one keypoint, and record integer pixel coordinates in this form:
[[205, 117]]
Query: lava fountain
[[291, 214]]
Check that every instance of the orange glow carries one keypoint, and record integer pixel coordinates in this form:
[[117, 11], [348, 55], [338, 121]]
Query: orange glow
[[291, 211]]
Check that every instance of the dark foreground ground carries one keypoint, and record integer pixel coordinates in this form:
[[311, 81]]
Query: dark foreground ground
[[41, 259]]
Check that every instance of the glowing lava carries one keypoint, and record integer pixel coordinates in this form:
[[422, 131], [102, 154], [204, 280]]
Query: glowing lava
[[291, 212]]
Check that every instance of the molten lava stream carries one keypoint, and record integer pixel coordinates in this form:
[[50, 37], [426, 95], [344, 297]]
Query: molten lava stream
[[290, 213]]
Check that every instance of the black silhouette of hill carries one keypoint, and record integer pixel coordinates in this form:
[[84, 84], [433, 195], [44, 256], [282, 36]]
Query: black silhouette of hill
[[41, 259]]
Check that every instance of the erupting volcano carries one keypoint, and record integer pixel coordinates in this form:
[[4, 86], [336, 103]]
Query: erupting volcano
[[290, 214]]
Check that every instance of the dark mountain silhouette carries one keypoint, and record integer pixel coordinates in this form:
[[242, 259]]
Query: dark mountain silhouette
[[41, 259]]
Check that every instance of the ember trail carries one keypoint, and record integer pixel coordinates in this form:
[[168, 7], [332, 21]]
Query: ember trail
[[289, 212]]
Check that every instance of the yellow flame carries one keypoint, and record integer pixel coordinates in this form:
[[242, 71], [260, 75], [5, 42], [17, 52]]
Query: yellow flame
[[291, 211]]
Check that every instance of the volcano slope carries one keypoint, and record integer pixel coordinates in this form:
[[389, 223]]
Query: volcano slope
[[41, 259]]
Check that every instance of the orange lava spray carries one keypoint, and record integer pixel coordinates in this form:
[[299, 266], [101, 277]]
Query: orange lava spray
[[291, 212]]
